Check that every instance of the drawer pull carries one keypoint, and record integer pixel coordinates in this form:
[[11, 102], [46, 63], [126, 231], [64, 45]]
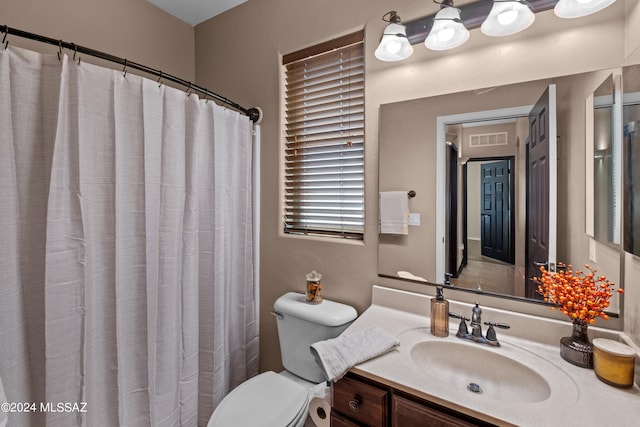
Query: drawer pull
[[354, 404]]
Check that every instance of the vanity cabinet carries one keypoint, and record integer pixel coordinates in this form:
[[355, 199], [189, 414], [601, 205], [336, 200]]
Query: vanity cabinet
[[360, 402]]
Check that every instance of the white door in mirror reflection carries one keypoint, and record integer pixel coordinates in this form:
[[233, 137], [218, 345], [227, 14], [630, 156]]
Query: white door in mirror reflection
[[541, 188]]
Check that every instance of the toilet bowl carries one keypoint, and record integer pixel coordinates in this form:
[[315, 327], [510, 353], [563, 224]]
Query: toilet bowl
[[268, 400], [282, 400]]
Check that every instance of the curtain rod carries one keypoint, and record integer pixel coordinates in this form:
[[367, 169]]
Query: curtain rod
[[254, 114]]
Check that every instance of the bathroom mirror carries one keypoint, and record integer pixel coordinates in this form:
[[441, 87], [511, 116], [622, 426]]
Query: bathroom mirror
[[410, 158]]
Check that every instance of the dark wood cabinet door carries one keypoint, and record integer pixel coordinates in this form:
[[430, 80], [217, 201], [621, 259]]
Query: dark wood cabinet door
[[361, 402], [407, 413]]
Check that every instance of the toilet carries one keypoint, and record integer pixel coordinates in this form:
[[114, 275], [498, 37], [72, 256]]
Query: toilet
[[282, 399]]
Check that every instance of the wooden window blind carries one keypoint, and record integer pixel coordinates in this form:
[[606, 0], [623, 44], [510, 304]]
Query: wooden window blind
[[324, 153]]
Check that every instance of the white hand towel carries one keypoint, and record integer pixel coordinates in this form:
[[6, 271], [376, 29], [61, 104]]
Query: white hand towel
[[337, 355], [394, 212]]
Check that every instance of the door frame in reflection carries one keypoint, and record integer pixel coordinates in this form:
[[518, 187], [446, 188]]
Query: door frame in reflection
[[441, 169]]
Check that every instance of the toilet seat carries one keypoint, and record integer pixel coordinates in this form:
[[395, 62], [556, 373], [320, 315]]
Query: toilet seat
[[265, 400]]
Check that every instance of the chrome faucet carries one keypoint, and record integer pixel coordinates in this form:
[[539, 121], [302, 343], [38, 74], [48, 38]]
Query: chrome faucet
[[476, 328]]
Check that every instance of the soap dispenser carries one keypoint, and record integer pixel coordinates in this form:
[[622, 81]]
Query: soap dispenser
[[439, 315]]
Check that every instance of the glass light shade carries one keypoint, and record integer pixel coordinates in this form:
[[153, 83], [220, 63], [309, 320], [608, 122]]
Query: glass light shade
[[579, 8], [506, 18], [446, 33], [394, 45]]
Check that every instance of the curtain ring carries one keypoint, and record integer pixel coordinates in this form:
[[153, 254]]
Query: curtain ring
[[124, 70], [75, 51], [160, 79], [189, 89], [5, 42], [59, 50]]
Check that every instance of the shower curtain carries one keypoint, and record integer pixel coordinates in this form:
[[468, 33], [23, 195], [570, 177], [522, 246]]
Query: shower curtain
[[127, 290]]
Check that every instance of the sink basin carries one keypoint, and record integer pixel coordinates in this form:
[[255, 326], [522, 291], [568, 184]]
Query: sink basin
[[480, 370], [459, 367]]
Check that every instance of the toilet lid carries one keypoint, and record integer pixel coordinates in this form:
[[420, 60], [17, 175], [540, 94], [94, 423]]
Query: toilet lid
[[265, 400]]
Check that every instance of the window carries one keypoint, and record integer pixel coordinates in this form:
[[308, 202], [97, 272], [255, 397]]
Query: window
[[324, 153]]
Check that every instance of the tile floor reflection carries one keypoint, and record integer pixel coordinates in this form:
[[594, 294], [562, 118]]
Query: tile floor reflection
[[486, 274]]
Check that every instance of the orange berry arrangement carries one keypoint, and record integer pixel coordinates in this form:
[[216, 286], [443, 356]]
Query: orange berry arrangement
[[583, 296]]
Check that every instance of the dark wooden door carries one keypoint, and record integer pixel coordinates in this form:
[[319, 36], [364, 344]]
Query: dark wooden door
[[496, 210], [541, 195], [451, 217]]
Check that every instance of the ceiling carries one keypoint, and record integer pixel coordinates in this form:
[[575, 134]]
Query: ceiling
[[196, 11]]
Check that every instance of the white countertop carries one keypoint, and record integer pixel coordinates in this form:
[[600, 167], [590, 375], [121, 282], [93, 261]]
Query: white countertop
[[577, 397]]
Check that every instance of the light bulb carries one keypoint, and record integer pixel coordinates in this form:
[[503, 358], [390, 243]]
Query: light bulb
[[507, 17], [393, 47], [446, 34], [448, 30], [579, 8]]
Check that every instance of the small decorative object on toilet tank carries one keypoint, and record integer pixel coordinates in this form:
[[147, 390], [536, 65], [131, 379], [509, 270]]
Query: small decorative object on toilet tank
[[314, 288]]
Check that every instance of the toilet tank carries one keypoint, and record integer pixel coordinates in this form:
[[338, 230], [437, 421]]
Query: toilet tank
[[301, 324]]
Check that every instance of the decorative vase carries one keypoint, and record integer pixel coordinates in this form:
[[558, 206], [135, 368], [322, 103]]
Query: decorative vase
[[577, 348]]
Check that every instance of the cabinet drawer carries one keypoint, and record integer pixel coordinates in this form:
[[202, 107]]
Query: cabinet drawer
[[406, 412], [338, 420], [361, 402]]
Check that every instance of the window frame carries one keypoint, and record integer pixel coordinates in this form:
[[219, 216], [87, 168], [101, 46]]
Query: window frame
[[317, 218]]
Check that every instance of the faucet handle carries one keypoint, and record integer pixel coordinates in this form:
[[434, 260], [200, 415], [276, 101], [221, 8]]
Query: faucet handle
[[498, 325], [457, 316], [491, 332], [462, 328]]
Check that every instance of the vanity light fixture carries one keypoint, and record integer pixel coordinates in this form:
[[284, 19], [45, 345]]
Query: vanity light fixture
[[508, 17], [579, 8], [448, 31], [449, 27], [394, 45]]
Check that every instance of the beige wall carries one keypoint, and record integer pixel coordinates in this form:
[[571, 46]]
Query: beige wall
[[131, 29], [249, 70]]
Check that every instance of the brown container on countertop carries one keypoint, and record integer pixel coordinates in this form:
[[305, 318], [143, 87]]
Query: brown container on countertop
[[613, 362]]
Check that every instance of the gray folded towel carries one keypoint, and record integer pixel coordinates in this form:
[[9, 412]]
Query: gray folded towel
[[337, 355]]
